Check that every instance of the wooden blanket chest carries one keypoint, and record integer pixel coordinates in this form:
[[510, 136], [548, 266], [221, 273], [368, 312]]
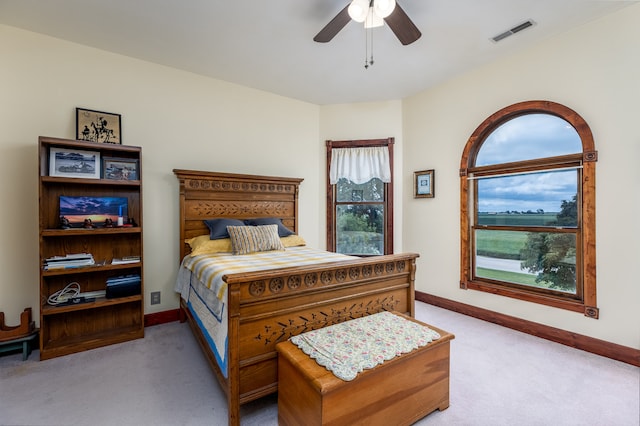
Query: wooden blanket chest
[[400, 391]]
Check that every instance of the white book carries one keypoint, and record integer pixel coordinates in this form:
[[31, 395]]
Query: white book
[[123, 260], [70, 257]]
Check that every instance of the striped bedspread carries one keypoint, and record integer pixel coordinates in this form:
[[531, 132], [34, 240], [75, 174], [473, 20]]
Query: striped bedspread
[[200, 284], [210, 268]]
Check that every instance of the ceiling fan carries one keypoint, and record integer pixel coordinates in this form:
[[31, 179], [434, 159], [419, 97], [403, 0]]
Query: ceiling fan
[[370, 11]]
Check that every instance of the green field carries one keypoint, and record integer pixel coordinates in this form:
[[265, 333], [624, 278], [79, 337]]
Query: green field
[[535, 219], [511, 277], [507, 244], [501, 244]]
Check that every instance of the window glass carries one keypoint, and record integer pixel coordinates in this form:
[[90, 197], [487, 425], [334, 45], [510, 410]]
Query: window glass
[[546, 260], [359, 223], [532, 199], [527, 137], [348, 191]]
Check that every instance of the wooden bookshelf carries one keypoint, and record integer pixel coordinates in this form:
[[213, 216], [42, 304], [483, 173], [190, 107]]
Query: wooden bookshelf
[[71, 328]]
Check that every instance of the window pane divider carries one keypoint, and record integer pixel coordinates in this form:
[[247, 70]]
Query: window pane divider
[[527, 172], [536, 228], [540, 163]]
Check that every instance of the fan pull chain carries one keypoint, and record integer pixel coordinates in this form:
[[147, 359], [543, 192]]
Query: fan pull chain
[[368, 41], [371, 60], [366, 48]]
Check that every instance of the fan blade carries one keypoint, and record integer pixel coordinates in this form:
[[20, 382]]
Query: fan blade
[[402, 26], [334, 26]]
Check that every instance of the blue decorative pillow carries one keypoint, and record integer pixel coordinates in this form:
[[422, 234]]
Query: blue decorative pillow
[[218, 227], [283, 231]]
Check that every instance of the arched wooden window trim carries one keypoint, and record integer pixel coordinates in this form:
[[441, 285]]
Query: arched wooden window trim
[[587, 159]]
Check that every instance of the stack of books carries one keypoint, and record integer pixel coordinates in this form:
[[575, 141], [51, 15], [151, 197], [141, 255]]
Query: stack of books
[[77, 260], [124, 260], [123, 285]]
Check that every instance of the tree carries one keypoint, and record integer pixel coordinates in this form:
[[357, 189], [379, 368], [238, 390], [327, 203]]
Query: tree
[[568, 215], [359, 231], [354, 221], [552, 255]]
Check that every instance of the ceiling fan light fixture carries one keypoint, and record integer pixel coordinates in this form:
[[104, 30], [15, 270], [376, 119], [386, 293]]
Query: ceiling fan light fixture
[[398, 21], [358, 10], [373, 20], [383, 8]]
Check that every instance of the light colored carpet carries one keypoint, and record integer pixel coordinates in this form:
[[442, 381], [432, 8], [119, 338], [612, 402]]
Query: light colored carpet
[[498, 377]]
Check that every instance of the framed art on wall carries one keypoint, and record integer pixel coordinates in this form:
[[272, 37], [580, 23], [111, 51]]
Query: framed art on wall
[[74, 163], [98, 126], [423, 184]]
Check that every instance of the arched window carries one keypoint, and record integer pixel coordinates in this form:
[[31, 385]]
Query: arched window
[[528, 207]]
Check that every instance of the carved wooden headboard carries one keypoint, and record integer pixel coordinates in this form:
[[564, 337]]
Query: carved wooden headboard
[[207, 195]]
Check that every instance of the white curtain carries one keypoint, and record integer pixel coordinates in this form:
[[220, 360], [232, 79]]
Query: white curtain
[[360, 165]]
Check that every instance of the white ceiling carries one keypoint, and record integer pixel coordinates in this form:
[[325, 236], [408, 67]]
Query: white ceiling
[[268, 45]]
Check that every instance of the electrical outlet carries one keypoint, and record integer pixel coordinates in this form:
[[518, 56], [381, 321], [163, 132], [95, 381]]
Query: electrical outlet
[[155, 297]]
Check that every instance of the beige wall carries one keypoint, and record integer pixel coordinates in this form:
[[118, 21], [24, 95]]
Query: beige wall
[[181, 120], [593, 70]]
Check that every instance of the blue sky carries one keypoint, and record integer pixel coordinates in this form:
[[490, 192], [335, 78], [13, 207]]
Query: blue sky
[[527, 137], [524, 138]]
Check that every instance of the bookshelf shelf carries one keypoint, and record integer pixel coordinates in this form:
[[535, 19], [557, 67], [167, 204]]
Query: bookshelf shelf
[[98, 303], [99, 267], [88, 232], [66, 345], [58, 180]]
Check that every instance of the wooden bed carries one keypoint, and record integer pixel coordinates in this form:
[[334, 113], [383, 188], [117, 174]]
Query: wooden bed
[[265, 308]]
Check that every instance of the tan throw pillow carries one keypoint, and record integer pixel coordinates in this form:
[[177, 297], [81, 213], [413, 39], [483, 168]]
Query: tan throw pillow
[[253, 239]]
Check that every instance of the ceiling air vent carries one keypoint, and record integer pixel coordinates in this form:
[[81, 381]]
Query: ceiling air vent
[[512, 31]]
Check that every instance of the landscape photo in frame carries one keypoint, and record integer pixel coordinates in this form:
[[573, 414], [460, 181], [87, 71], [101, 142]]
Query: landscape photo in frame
[[120, 168], [75, 163], [97, 209]]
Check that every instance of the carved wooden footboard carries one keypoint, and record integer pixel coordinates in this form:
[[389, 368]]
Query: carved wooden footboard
[[267, 307]]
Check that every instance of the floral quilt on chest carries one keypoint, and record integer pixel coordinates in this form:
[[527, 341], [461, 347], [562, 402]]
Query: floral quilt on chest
[[348, 348]]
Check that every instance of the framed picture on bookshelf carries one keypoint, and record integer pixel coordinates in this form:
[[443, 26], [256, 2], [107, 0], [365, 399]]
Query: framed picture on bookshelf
[[120, 168], [98, 126], [74, 163], [96, 210]]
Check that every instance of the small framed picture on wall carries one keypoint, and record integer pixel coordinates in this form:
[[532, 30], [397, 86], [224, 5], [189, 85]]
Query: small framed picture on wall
[[423, 184]]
